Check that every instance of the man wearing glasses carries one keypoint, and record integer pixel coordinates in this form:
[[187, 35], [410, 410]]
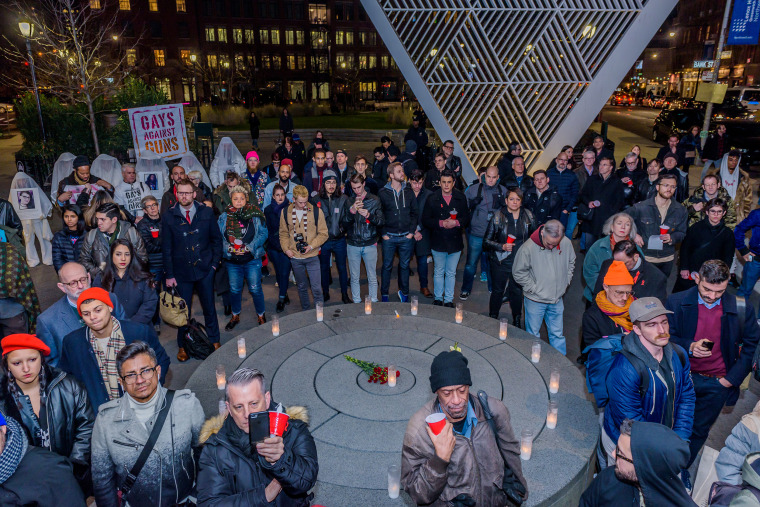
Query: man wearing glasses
[[608, 313], [62, 318], [661, 224], [124, 424], [647, 460]]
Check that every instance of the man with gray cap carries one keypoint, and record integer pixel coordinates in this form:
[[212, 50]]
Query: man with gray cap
[[81, 176], [408, 158], [650, 380], [463, 464]]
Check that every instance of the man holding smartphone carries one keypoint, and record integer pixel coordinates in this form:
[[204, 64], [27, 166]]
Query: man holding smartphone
[[721, 333], [239, 467]]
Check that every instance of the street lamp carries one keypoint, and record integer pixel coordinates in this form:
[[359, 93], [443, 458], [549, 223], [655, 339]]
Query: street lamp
[[27, 31], [193, 59]]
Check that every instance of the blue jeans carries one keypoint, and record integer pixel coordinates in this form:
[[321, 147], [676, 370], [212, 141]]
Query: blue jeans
[[368, 254], [239, 273], [570, 221], [750, 276], [281, 270], [536, 313], [337, 247], [445, 275], [205, 289], [474, 251], [405, 248]]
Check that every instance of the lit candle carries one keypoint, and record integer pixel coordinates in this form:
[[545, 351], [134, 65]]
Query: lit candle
[[241, 347], [554, 381], [551, 415], [221, 377], [459, 313], [415, 304], [535, 352], [275, 326], [320, 312], [222, 407], [367, 305], [392, 375], [503, 329], [394, 481], [526, 444]]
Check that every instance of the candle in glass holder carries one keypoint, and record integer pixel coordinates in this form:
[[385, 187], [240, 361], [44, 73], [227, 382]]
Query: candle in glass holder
[[222, 407], [391, 375], [367, 305], [551, 415], [221, 377], [503, 329], [320, 311], [275, 326], [535, 352], [241, 347], [554, 381], [415, 304], [459, 316], [394, 481], [526, 444]]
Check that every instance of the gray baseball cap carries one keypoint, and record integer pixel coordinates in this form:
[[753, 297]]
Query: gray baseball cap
[[645, 309]]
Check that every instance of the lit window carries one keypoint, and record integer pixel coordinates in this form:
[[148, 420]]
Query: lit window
[[340, 38], [349, 38], [124, 5], [264, 36], [275, 36], [301, 62], [95, 4], [211, 59], [153, 5], [290, 37], [291, 62], [224, 61], [237, 35], [363, 62], [384, 60], [181, 6], [239, 62], [372, 62], [266, 62], [299, 37], [276, 62], [318, 13], [249, 36], [210, 35], [131, 57], [184, 55], [222, 33], [251, 61], [165, 85], [159, 57]]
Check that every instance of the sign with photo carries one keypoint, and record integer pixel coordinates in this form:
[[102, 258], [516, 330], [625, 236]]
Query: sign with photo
[[154, 180], [26, 202], [76, 191], [160, 129]]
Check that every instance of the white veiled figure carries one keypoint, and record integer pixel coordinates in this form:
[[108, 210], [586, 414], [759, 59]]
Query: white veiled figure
[[150, 162], [228, 158], [33, 208], [61, 169], [191, 163], [107, 168]]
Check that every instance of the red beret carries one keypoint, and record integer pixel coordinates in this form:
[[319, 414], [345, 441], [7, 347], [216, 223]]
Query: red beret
[[94, 293], [23, 341]]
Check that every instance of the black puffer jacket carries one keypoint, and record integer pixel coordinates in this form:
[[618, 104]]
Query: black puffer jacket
[[362, 231], [228, 476], [66, 247], [8, 216], [42, 478], [69, 416], [502, 225], [332, 219]]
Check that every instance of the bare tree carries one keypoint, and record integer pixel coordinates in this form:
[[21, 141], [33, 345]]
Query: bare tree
[[82, 55]]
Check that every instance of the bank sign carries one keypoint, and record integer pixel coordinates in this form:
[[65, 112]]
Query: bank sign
[[745, 22], [160, 129]]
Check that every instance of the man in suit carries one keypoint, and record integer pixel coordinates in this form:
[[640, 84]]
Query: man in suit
[[62, 317], [89, 353]]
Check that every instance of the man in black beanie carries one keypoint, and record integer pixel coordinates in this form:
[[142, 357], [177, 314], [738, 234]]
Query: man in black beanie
[[80, 176], [465, 450]]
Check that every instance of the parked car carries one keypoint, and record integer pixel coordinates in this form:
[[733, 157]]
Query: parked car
[[748, 96], [676, 121], [622, 99]]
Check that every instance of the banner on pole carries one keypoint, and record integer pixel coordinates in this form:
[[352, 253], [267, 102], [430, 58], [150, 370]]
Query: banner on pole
[[745, 22], [160, 129]]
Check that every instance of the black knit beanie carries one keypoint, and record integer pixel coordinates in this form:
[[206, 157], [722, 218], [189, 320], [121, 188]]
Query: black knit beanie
[[449, 369], [80, 160]]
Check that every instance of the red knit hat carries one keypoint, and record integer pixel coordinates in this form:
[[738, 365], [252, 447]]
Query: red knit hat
[[94, 293], [23, 341]]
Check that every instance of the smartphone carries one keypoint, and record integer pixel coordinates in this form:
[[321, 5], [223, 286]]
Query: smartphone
[[258, 427], [708, 345]]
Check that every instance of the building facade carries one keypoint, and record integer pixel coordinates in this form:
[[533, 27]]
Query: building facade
[[250, 52]]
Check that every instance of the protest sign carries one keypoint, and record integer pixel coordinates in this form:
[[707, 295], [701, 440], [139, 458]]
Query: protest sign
[[160, 129]]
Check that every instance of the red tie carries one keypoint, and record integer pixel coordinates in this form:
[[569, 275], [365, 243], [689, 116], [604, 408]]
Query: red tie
[[187, 215]]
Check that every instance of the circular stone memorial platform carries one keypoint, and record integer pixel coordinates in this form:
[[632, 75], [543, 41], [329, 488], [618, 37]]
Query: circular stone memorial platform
[[359, 427]]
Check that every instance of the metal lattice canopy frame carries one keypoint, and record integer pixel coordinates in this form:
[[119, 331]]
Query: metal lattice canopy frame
[[537, 71]]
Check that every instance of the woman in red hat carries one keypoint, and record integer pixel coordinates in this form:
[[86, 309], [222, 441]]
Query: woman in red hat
[[52, 407]]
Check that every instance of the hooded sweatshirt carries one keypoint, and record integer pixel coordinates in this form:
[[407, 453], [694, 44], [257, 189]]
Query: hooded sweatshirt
[[658, 456]]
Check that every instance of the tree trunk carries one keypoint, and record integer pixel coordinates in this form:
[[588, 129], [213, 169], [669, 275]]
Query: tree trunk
[[93, 129]]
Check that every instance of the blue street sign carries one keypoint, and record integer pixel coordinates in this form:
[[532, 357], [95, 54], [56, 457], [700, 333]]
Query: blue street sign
[[745, 22]]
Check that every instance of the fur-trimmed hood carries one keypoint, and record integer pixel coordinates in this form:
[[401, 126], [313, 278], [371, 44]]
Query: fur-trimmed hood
[[214, 424]]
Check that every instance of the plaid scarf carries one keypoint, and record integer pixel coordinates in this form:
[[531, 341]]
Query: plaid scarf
[[107, 359], [16, 282], [238, 220], [14, 451]]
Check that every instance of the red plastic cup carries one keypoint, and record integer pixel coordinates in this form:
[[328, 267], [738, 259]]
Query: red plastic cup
[[154, 233], [511, 239], [664, 229], [436, 422], [278, 423], [453, 215], [630, 183]]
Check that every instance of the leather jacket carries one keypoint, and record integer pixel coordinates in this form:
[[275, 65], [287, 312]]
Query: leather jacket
[[501, 226], [335, 228], [8, 216], [360, 231]]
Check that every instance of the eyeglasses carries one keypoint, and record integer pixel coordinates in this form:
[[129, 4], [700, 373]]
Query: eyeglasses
[[74, 284], [145, 374], [625, 293], [716, 211], [185, 193], [618, 454]]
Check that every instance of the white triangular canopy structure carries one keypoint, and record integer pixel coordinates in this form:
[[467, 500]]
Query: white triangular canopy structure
[[107, 168], [227, 158], [61, 169], [25, 181], [150, 162], [191, 163]]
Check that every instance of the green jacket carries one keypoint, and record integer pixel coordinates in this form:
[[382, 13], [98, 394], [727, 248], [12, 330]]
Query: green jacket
[[699, 196]]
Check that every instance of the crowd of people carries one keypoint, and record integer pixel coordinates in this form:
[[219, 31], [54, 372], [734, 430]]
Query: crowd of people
[[662, 360]]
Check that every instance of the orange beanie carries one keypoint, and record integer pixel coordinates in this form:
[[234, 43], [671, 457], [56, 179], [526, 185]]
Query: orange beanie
[[618, 274]]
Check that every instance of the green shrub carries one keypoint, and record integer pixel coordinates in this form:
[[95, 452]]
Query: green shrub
[[399, 115]]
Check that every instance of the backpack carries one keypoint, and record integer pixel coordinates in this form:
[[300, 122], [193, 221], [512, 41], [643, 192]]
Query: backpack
[[197, 343], [600, 356], [724, 494]]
